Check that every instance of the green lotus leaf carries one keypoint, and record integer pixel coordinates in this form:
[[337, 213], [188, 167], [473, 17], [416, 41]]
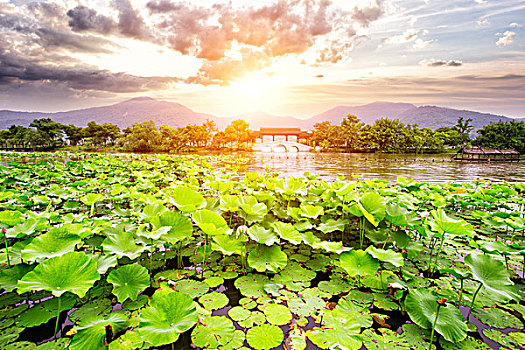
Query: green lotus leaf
[[92, 198], [492, 274], [127, 341], [396, 215], [387, 340], [265, 336], [389, 256], [153, 234], [505, 340], [214, 301], [255, 318], [45, 310], [264, 258], [358, 262], [252, 285], [335, 338], [56, 242], [186, 199], [153, 211], [10, 218], [239, 313], [123, 244], [229, 202], [236, 342], [226, 244], [72, 272], [91, 333], [20, 345], [329, 246], [335, 286], [193, 288], [287, 232], [181, 226], [214, 281], [422, 307], [252, 208], [332, 225], [212, 332], [61, 343], [276, 314], [9, 277], [97, 308], [443, 223], [468, 344], [310, 211], [128, 281], [497, 318], [261, 235], [27, 228], [300, 308], [169, 314], [373, 207], [104, 262], [210, 222]]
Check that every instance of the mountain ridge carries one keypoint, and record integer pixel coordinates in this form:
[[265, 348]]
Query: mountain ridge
[[139, 109]]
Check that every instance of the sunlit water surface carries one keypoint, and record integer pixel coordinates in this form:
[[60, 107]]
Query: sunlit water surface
[[427, 168]]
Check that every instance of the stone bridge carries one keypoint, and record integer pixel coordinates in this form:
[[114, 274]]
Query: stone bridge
[[281, 146]]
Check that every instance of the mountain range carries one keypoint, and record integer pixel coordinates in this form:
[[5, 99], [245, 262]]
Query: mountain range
[[139, 109]]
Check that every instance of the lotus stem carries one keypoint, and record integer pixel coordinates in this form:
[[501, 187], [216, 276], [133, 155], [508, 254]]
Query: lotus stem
[[434, 327], [439, 251], [473, 299], [523, 268], [58, 316], [460, 293], [92, 211], [7, 251]]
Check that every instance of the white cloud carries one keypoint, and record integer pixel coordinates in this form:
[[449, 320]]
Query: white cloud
[[506, 38], [483, 22], [413, 36], [515, 25], [438, 63]]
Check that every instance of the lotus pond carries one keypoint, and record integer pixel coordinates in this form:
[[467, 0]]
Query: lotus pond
[[140, 252]]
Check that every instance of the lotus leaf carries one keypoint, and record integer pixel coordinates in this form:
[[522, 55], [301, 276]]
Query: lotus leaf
[[128, 281], [264, 258], [236, 342], [372, 207], [310, 211], [276, 314], [56, 242], [387, 340], [169, 314], [468, 344], [252, 285], [443, 223], [389, 256], [287, 232], [45, 310], [10, 277], [261, 235], [72, 272], [123, 244], [492, 274], [210, 222], [128, 340], [497, 318], [213, 332], [186, 199], [265, 336], [214, 301], [501, 338], [332, 225], [358, 262], [422, 306], [92, 331], [190, 287], [226, 244]]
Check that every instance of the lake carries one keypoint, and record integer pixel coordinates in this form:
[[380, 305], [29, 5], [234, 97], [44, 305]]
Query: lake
[[427, 167]]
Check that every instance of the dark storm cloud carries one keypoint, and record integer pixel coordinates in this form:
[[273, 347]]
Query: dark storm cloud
[[130, 22], [83, 18]]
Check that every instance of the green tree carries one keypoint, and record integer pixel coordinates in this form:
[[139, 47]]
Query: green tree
[[352, 128], [173, 139], [50, 130], [75, 134], [388, 135], [502, 135], [463, 127], [238, 132], [141, 137], [448, 136]]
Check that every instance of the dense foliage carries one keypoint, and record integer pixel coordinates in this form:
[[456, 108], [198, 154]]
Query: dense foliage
[[135, 252], [502, 135]]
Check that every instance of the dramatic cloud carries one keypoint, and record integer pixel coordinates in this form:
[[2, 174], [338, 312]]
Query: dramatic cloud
[[506, 38], [438, 63], [85, 19], [413, 36]]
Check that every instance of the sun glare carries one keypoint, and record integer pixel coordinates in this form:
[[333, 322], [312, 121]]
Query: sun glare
[[256, 93]]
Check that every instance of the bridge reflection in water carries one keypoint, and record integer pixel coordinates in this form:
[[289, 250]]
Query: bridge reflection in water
[[281, 147]]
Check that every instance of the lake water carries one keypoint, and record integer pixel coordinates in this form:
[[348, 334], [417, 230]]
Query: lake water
[[428, 168]]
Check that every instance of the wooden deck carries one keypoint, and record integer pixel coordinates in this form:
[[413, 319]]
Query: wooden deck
[[487, 155]]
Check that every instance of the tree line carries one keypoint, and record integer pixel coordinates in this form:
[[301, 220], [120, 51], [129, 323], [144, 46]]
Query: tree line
[[392, 136], [140, 137], [352, 135]]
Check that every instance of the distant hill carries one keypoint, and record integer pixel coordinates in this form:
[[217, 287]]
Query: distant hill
[[367, 113], [123, 114], [139, 109]]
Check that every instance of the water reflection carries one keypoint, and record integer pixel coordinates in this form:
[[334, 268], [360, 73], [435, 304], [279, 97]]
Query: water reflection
[[431, 168]]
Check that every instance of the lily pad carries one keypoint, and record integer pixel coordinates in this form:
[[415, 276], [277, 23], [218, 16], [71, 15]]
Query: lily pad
[[214, 301], [265, 258], [265, 336], [213, 332], [128, 281], [276, 314]]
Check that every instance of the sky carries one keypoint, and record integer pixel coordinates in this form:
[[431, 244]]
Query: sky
[[284, 57]]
